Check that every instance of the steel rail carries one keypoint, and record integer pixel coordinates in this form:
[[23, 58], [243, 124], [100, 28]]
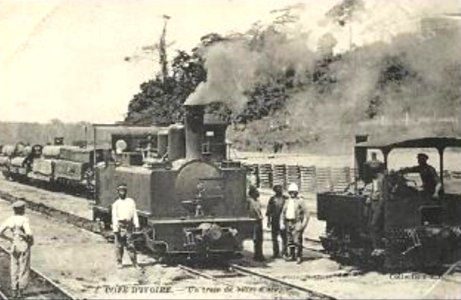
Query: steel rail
[[3, 296], [202, 274], [312, 294], [64, 294], [442, 278], [247, 272]]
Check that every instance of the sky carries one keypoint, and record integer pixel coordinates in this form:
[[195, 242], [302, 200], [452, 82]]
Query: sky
[[64, 59]]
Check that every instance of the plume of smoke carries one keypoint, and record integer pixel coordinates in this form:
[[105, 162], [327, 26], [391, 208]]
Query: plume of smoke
[[231, 69], [237, 64], [428, 87]]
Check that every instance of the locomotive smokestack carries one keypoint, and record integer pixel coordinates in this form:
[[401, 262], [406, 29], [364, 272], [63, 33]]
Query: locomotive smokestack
[[194, 131]]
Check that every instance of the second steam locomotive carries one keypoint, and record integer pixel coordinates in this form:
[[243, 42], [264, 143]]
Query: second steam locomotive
[[411, 229]]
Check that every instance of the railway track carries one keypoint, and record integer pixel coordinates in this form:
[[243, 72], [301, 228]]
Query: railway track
[[231, 275], [87, 224], [448, 285], [54, 213], [40, 286]]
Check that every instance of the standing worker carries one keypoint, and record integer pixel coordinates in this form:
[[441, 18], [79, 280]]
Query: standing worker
[[431, 181], [124, 218], [295, 217], [273, 213], [21, 242], [376, 212], [255, 212]]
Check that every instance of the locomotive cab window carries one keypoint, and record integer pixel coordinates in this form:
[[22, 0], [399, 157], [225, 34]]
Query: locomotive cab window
[[452, 171], [206, 148], [406, 158]]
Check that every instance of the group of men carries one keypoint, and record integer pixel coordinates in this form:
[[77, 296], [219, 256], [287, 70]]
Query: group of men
[[287, 217]]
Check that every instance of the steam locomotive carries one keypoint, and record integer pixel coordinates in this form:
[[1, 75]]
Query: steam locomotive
[[417, 232], [191, 198]]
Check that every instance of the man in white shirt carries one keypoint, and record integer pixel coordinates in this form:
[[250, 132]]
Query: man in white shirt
[[21, 243], [295, 217], [124, 218]]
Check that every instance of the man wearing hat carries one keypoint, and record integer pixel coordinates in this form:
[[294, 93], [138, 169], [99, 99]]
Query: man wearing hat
[[124, 218], [429, 177], [273, 212], [21, 242], [255, 212], [295, 217]]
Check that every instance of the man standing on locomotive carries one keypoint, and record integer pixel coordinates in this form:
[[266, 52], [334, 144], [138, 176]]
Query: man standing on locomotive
[[273, 213], [376, 211], [21, 243], [429, 177], [295, 217], [255, 212], [124, 218]]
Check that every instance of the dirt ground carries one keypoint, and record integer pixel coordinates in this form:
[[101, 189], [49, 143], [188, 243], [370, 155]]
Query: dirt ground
[[448, 287], [84, 263]]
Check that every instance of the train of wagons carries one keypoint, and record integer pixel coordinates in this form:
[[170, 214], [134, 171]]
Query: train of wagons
[[191, 199], [58, 167], [417, 233]]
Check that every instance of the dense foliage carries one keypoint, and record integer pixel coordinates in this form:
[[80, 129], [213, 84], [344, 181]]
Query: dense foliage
[[296, 96], [160, 101]]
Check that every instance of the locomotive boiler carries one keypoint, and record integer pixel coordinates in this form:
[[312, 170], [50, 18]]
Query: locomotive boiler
[[190, 198], [417, 232]]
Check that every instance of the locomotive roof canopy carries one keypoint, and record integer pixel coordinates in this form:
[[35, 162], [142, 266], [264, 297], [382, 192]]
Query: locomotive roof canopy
[[439, 143]]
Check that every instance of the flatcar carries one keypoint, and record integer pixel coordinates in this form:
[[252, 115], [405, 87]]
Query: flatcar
[[58, 167], [21, 164], [416, 232], [15, 161], [5, 159], [65, 167], [190, 197]]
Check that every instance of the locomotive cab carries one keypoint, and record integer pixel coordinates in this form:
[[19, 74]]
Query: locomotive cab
[[417, 230]]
